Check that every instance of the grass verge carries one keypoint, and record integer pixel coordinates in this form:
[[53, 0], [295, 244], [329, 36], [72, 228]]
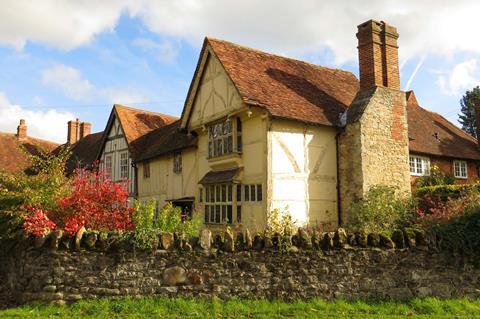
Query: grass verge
[[214, 308]]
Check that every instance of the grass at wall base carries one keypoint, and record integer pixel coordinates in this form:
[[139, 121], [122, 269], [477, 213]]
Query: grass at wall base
[[214, 308]]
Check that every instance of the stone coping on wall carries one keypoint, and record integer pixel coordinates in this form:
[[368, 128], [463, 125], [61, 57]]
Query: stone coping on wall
[[335, 265]]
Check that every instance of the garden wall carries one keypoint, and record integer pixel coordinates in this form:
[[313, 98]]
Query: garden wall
[[350, 272]]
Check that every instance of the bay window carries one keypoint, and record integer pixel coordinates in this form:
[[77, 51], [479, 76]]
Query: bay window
[[224, 138]]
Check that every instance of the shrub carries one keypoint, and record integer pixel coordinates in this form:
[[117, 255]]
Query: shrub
[[380, 211], [146, 234], [171, 219], [443, 212], [436, 177], [96, 202], [37, 222], [280, 222]]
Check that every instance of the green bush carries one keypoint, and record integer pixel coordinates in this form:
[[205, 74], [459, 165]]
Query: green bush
[[460, 233], [380, 211], [444, 192], [149, 225], [436, 177]]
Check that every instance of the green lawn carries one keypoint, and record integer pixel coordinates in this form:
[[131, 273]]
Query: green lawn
[[202, 308]]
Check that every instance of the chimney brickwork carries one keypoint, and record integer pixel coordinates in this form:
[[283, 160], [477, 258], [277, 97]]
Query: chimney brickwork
[[373, 147], [85, 129], [378, 55], [72, 133], [21, 130]]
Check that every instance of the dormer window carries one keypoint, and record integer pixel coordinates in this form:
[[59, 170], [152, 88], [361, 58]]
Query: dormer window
[[224, 138]]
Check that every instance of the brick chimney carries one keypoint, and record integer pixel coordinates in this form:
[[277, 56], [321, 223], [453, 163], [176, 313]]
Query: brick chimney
[[378, 55], [21, 130], [85, 129], [73, 133]]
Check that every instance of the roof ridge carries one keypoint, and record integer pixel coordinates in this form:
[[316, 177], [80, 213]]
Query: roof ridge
[[31, 138], [465, 134], [279, 56], [142, 110]]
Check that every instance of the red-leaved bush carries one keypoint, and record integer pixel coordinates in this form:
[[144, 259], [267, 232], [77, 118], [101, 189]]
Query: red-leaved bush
[[435, 212], [97, 203], [37, 222]]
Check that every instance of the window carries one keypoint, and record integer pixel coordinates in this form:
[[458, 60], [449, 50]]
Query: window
[[219, 206], [252, 193], [124, 165], [224, 138], [177, 162], [146, 169], [108, 165], [419, 166], [460, 169]]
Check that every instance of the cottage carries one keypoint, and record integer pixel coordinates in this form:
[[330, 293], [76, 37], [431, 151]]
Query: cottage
[[260, 131]]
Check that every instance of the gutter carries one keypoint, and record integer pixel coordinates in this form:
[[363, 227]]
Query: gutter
[[339, 205]]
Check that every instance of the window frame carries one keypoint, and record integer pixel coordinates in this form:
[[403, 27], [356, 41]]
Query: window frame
[[421, 165], [177, 162], [221, 204], [460, 163], [108, 164], [252, 193], [123, 165], [224, 141], [146, 169]]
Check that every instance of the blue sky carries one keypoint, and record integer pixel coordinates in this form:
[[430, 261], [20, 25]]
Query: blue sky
[[67, 59]]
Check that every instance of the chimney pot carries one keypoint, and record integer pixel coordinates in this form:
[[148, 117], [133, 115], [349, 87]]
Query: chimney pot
[[378, 55], [73, 133], [21, 130]]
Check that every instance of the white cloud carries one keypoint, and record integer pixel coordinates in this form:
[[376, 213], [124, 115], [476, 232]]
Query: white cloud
[[165, 51], [49, 125], [300, 27], [70, 82], [463, 76]]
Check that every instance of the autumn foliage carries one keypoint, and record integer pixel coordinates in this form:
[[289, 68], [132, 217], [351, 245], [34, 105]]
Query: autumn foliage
[[94, 201]]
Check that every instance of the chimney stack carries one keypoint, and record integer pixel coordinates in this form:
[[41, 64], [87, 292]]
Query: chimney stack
[[21, 130], [73, 132], [85, 129], [378, 55]]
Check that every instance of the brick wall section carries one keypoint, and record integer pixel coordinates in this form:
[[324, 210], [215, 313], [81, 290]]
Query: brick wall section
[[445, 164], [347, 273], [378, 55], [373, 148]]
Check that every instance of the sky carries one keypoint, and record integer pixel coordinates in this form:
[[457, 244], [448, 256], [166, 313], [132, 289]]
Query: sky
[[62, 60]]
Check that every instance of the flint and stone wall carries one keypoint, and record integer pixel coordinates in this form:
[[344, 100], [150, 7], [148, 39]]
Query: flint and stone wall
[[373, 147], [67, 276]]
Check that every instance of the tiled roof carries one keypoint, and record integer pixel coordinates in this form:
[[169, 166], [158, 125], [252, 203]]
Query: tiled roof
[[13, 158], [224, 176], [431, 133], [136, 122], [84, 152], [164, 140], [287, 88]]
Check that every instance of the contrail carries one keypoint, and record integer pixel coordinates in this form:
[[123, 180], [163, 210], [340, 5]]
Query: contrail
[[419, 64]]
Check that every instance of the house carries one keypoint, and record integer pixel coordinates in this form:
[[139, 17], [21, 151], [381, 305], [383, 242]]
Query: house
[[16, 148], [119, 145], [260, 131]]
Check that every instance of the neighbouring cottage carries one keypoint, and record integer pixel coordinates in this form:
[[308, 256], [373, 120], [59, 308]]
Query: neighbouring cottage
[[260, 131], [16, 148]]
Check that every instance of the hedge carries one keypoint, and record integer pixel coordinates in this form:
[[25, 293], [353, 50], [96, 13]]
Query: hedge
[[444, 192]]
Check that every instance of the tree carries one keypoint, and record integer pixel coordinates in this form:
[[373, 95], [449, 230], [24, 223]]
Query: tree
[[467, 117]]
